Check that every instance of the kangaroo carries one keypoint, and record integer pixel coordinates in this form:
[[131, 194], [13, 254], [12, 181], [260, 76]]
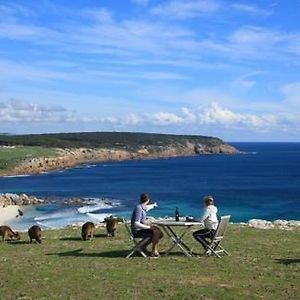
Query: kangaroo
[[88, 230], [111, 226], [35, 233], [8, 234]]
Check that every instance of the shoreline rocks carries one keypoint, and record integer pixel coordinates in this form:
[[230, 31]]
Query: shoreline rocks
[[277, 224], [8, 199]]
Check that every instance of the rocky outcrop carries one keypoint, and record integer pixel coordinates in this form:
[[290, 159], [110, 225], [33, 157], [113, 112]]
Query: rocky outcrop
[[279, 224], [15, 199]]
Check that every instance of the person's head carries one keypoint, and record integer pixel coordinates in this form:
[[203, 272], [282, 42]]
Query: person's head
[[208, 200], [144, 198]]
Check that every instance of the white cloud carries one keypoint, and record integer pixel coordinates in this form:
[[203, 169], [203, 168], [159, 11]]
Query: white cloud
[[246, 81], [291, 93], [215, 116], [164, 118], [251, 9], [17, 111], [210, 116], [9, 10], [178, 9]]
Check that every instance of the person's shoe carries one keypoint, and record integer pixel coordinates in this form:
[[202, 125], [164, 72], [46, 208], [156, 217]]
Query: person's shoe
[[155, 255]]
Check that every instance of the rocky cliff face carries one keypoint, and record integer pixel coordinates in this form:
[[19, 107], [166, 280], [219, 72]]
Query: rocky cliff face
[[71, 157]]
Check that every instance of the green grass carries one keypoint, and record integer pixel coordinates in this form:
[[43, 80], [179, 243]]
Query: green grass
[[11, 157], [264, 264]]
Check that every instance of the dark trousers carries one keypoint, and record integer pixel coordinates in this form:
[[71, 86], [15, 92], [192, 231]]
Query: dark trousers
[[203, 234]]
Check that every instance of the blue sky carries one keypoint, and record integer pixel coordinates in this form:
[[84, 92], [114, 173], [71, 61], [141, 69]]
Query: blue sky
[[210, 67]]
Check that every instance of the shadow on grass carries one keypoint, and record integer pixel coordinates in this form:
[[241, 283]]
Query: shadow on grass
[[79, 253], [19, 242], [78, 238], [287, 261], [111, 254]]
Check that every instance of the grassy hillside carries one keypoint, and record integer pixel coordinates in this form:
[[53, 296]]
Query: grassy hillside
[[10, 157], [264, 264], [104, 139]]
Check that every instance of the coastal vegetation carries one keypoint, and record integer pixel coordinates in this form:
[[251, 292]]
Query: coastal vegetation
[[10, 157], [264, 264], [116, 140]]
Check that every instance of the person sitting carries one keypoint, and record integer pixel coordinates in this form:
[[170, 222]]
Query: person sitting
[[139, 227], [210, 220]]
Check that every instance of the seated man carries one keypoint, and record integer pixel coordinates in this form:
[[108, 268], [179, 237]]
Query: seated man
[[210, 220], [139, 227]]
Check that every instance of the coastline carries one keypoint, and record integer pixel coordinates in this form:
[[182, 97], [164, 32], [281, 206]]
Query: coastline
[[68, 158]]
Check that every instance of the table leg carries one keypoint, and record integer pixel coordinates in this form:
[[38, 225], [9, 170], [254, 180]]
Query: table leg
[[177, 240], [180, 241]]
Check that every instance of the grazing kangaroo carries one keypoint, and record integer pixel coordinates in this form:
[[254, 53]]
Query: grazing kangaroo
[[35, 233], [111, 226], [88, 230], [8, 234]]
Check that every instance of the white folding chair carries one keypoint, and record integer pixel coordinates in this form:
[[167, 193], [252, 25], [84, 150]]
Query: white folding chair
[[214, 247], [138, 242]]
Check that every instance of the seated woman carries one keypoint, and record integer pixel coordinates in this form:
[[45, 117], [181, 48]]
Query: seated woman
[[139, 227], [210, 220]]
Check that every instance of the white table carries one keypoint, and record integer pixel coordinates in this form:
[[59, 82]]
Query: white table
[[177, 240]]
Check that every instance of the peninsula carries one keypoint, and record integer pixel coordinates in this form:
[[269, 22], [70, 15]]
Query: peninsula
[[35, 153]]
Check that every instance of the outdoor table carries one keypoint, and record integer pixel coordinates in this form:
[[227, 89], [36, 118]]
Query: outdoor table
[[177, 240]]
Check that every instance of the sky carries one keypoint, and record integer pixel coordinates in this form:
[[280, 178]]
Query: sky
[[221, 68]]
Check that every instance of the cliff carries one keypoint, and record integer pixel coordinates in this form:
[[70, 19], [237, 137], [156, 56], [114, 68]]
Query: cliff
[[78, 148]]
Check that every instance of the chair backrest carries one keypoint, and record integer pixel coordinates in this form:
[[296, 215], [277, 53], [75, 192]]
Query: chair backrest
[[128, 228], [222, 226]]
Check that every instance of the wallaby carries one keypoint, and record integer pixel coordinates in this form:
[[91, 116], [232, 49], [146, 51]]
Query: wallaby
[[88, 230], [35, 233], [111, 226], [8, 234]]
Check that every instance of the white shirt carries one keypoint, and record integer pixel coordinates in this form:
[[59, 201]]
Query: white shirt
[[209, 217]]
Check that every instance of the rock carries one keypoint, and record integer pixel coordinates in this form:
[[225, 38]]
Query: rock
[[199, 149], [294, 223], [258, 223], [15, 199], [280, 222]]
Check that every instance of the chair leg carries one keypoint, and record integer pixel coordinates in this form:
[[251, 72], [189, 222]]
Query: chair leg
[[211, 247], [224, 250], [138, 248]]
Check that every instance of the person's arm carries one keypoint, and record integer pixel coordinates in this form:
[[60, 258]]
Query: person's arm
[[139, 225], [151, 206]]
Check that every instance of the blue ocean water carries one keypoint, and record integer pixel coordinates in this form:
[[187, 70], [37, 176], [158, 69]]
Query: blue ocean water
[[263, 182]]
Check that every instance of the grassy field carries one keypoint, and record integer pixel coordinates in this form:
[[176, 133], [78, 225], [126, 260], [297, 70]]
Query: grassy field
[[264, 264], [10, 157]]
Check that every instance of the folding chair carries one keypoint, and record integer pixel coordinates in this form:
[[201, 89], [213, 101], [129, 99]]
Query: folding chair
[[214, 247], [138, 242]]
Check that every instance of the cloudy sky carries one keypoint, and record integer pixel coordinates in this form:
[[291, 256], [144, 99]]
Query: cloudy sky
[[212, 67]]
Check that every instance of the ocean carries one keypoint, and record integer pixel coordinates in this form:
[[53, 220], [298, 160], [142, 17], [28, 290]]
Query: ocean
[[262, 182]]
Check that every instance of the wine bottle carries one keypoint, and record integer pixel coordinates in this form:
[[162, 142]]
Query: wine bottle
[[176, 214]]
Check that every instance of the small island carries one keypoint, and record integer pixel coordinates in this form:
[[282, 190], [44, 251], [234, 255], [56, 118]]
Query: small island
[[35, 153]]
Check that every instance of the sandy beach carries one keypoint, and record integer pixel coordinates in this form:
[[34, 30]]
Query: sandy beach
[[7, 213]]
